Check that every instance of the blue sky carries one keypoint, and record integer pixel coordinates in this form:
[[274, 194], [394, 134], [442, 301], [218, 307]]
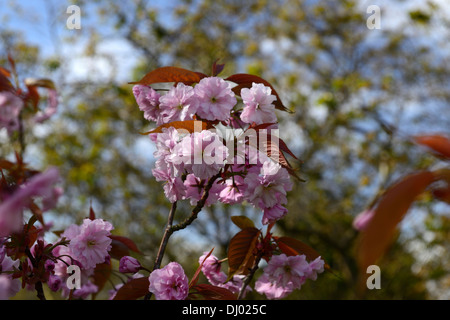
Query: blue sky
[[43, 23]]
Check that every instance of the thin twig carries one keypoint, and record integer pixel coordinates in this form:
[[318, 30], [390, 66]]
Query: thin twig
[[165, 239], [38, 285], [249, 276], [170, 229], [198, 207]]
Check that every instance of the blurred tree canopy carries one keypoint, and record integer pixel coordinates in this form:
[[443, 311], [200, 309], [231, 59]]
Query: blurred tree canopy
[[357, 95]]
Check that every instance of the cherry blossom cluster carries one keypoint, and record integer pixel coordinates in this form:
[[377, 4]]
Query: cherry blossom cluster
[[15, 198], [26, 259], [185, 161], [284, 274], [83, 246], [12, 104], [88, 245], [211, 268]]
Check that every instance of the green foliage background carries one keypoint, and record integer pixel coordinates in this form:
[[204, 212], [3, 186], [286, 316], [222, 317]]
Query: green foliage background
[[356, 95]]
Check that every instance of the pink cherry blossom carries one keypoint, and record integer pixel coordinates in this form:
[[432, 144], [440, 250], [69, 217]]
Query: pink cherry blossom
[[210, 265], [271, 288], [65, 254], [273, 214], [85, 290], [8, 286], [174, 188], [269, 187], [259, 107], [216, 99], [165, 142], [148, 101], [10, 107], [129, 264], [169, 283], [51, 108], [287, 269], [40, 185], [195, 188], [234, 189], [211, 268], [178, 104], [54, 282], [165, 152], [90, 247], [235, 285], [283, 274], [315, 267], [202, 153], [166, 169], [49, 265]]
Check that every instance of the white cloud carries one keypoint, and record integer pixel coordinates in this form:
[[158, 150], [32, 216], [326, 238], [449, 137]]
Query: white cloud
[[114, 59]]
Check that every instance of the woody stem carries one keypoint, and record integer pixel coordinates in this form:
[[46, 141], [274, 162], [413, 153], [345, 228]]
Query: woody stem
[[170, 228]]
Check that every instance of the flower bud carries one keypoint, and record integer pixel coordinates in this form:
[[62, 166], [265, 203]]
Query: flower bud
[[54, 283], [49, 265], [129, 265]]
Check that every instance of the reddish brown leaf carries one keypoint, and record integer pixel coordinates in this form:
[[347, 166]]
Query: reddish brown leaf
[[33, 96], [442, 194], [273, 147], [118, 250], [240, 251], [127, 242], [101, 275], [91, 213], [188, 125], [199, 269], [34, 208], [5, 84], [133, 289], [273, 151], [31, 235], [33, 85], [12, 62], [5, 164], [5, 72], [390, 210], [242, 222], [282, 146], [293, 247], [217, 68], [246, 80], [438, 143], [170, 74], [210, 292]]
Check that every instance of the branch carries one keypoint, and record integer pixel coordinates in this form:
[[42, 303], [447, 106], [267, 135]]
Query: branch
[[198, 207], [38, 285], [170, 229], [249, 276], [165, 239]]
